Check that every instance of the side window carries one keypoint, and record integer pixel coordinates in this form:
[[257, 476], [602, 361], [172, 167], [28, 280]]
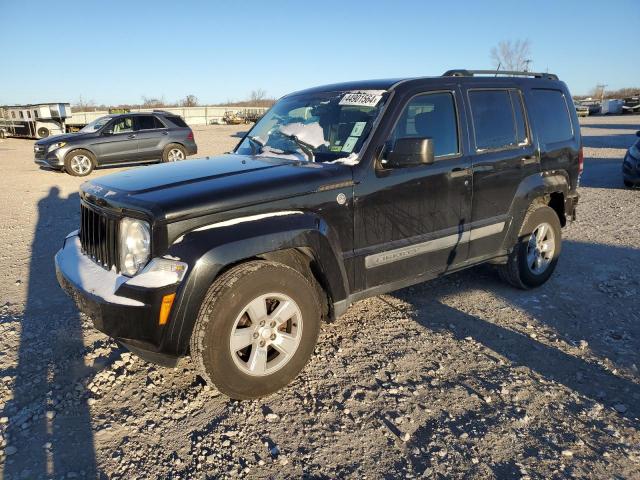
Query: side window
[[432, 115], [148, 122], [123, 125], [29, 113], [551, 115], [35, 113], [494, 122], [21, 113]]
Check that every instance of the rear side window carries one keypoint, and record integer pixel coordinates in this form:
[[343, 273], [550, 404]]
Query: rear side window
[[149, 122], [551, 114], [176, 121], [498, 119]]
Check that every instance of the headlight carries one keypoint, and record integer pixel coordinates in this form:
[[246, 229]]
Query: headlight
[[55, 146], [135, 245]]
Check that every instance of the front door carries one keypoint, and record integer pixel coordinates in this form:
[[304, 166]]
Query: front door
[[118, 142], [411, 220]]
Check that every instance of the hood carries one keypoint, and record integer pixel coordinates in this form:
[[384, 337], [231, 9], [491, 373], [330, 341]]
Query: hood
[[174, 191], [61, 138]]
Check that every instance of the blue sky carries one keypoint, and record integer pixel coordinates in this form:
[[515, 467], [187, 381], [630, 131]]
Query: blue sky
[[117, 51]]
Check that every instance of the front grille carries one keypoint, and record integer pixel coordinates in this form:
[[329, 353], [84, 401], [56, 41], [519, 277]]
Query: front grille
[[99, 236]]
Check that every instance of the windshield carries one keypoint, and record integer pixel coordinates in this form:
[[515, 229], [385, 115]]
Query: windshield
[[96, 125], [320, 127]]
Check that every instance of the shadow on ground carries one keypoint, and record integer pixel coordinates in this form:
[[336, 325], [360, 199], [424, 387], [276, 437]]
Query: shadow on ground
[[49, 419]]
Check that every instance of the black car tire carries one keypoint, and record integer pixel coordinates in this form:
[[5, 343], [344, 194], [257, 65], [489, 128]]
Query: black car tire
[[69, 160], [516, 271], [228, 297], [628, 184], [43, 132], [168, 154]]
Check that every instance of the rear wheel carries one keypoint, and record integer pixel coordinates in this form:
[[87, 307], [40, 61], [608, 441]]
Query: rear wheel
[[174, 153], [536, 253], [256, 329], [628, 184], [43, 132], [79, 163]]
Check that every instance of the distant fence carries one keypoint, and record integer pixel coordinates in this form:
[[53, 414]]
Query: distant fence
[[191, 115]]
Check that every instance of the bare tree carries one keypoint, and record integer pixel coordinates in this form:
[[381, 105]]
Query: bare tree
[[150, 102], [257, 95], [189, 101], [510, 55], [82, 105]]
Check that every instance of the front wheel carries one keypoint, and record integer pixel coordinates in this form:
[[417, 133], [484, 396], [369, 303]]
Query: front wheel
[[256, 329], [79, 163], [535, 255]]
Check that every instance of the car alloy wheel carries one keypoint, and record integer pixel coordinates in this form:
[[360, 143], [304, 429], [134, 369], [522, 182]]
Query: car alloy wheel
[[175, 154], [266, 334], [80, 164], [540, 248]]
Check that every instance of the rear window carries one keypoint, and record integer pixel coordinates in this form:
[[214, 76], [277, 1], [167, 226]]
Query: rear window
[[551, 114], [494, 122], [176, 121]]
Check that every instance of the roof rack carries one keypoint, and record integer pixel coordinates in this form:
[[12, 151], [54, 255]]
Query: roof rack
[[512, 73], [155, 110]]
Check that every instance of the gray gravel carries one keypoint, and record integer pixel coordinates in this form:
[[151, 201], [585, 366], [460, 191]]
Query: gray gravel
[[463, 377]]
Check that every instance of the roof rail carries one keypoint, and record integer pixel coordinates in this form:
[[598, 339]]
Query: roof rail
[[155, 110], [512, 73]]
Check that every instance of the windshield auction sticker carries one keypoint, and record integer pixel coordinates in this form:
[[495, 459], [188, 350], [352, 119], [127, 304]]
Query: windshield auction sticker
[[362, 98]]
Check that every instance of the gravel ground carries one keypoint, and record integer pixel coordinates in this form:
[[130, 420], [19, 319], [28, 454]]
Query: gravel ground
[[463, 377]]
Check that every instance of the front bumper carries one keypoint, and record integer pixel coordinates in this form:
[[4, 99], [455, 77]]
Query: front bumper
[[53, 159], [127, 313]]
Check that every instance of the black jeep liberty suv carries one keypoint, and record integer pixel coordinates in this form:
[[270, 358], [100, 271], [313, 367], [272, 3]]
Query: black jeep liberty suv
[[338, 193]]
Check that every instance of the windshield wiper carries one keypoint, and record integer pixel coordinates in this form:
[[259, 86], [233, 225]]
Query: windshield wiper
[[305, 147]]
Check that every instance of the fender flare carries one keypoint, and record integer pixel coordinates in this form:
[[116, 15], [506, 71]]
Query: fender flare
[[530, 188], [212, 249]]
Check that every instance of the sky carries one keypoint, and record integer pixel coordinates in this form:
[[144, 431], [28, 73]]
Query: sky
[[115, 52]]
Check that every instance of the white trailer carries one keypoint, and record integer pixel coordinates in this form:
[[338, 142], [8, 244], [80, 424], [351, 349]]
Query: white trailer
[[35, 120], [611, 107]]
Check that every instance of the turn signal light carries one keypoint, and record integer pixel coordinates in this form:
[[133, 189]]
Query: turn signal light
[[165, 308]]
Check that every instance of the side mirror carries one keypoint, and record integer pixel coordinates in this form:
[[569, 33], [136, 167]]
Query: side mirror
[[408, 152], [108, 131]]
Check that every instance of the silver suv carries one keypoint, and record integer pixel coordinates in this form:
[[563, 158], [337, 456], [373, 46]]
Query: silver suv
[[118, 139]]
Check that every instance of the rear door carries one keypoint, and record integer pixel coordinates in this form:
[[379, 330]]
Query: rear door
[[503, 156], [117, 142], [152, 136]]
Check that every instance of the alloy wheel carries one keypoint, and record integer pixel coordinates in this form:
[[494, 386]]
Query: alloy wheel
[[266, 334]]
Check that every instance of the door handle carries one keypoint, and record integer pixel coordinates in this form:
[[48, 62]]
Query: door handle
[[132, 136], [459, 172], [165, 133]]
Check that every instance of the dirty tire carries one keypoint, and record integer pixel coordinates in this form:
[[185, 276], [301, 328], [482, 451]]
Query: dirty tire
[[172, 152], [72, 160], [224, 303], [516, 271]]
